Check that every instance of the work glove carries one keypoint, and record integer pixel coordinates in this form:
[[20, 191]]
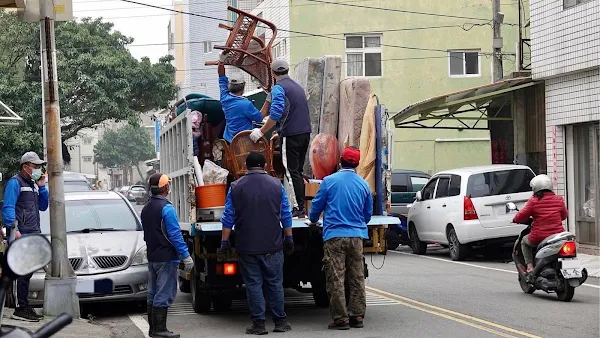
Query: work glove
[[268, 99], [312, 224], [188, 263], [256, 135], [225, 248], [222, 57], [288, 245]]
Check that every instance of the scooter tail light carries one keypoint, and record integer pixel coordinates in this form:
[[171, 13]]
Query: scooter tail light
[[469, 210], [569, 249]]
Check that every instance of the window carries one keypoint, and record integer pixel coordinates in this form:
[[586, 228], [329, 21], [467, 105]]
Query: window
[[87, 158], [454, 189], [279, 50], [499, 183], [87, 140], [442, 188], [207, 46], [363, 55], [464, 63], [428, 190], [571, 3], [418, 182], [400, 183]]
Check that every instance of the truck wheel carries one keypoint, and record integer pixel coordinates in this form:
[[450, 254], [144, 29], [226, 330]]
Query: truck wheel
[[184, 285], [222, 303], [321, 298], [392, 244], [201, 301]]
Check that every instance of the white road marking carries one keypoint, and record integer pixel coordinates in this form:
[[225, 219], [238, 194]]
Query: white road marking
[[141, 324], [471, 265]]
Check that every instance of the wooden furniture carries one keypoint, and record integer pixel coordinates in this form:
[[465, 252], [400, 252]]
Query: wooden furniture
[[276, 159], [238, 150], [246, 51]]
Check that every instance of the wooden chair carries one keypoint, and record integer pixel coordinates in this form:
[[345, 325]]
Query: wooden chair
[[246, 51], [238, 150], [276, 159]]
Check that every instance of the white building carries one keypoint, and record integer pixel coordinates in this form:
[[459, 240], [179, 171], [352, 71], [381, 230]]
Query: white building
[[566, 54]]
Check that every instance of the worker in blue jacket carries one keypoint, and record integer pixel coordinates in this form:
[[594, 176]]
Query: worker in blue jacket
[[239, 111], [258, 207], [165, 248], [346, 199], [25, 195], [289, 112]]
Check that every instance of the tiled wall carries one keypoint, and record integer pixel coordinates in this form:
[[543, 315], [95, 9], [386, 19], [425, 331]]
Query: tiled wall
[[564, 40]]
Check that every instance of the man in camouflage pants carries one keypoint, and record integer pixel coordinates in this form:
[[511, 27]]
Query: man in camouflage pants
[[346, 199]]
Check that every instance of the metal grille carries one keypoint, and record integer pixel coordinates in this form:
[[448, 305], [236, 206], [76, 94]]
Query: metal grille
[[76, 263], [107, 262], [119, 290]]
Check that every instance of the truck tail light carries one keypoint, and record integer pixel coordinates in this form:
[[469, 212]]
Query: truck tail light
[[469, 210], [230, 269]]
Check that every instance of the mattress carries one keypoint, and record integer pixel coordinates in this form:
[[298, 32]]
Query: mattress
[[330, 103], [354, 97], [309, 74]]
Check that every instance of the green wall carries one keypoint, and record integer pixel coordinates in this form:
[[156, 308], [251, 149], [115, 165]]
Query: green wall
[[404, 82]]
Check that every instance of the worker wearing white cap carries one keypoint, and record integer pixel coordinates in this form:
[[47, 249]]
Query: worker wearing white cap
[[239, 111], [289, 112]]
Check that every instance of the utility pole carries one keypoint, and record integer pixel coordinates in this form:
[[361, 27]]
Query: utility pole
[[59, 291], [498, 16]]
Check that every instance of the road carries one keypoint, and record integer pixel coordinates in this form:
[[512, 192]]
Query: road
[[411, 296]]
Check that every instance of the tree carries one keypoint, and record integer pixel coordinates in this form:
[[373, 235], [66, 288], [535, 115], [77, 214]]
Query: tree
[[99, 80], [124, 148]]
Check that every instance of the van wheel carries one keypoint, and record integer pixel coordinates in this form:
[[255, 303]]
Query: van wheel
[[458, 251], [416, 245]]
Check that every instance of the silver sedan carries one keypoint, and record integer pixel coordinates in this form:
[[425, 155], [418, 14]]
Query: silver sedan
[[104, 240]]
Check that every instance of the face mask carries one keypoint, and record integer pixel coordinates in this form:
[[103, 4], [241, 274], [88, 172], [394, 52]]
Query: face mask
[[36, 174]]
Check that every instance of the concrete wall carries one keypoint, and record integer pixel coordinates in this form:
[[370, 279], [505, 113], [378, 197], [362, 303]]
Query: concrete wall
[[177, 49], [410, 75], [564, 40]]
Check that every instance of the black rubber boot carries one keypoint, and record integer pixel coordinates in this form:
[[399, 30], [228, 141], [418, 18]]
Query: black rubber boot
[[159, 320], [151, 329], [257, 328]]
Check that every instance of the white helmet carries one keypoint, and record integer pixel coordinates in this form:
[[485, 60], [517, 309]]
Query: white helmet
[[540, 182]]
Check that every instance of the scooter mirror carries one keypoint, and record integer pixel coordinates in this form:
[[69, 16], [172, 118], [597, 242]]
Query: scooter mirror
[[28, 254]]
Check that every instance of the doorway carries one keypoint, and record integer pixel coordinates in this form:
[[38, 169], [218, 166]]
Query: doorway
[[587, 167]]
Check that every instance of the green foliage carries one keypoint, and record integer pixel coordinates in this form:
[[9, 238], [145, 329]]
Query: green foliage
[[124, 147], [99, 80]]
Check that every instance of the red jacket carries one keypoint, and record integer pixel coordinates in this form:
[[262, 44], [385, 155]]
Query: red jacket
[[548, 214]]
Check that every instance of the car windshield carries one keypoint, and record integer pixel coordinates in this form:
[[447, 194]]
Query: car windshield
[[76, 186], [499, 183], [83, 215], [418, 182]]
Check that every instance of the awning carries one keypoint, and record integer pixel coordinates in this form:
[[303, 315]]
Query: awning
[[452, 106], [7, 116]]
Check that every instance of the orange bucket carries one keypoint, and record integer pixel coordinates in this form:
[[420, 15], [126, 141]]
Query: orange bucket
[[211, 196]]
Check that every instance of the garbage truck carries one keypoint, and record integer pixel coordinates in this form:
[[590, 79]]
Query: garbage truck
[[215, 279]]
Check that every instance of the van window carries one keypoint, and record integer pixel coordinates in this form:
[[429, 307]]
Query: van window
[[499, 183], [399, 183], [418, 182], [454, 189], [428, 190], [442, 188]]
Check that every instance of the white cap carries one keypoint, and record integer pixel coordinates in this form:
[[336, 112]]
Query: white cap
[[236, 78]]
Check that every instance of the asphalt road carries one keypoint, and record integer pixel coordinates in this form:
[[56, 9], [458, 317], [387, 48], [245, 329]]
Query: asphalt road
[[409, 296]]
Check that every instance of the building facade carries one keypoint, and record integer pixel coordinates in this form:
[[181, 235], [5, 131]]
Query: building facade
[[411, 51], [565, 54]]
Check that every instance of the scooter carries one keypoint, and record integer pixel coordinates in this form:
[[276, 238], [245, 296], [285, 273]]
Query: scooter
[[38, 253], [556, 267]]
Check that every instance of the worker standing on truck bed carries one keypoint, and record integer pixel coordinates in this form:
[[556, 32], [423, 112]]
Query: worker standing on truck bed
[[346, 199], [257, 205], [165, 247], [239, 111], [289, 111]]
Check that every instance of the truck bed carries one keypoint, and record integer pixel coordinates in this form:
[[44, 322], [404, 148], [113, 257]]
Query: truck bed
[[208, 228]]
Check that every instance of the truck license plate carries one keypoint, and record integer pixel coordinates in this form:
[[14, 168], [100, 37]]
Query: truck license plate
[[570, 268]]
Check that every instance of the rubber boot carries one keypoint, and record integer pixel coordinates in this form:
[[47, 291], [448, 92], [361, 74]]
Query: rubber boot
[[151, 329], [159, 320]]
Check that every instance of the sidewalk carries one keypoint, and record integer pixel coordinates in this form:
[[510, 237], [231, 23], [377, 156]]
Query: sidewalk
[[591, 263], [78, 328]]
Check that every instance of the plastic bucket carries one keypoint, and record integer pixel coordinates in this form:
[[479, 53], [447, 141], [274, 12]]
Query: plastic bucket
[[210, 196]]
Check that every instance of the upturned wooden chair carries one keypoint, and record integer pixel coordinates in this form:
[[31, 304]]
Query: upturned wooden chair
[[238, 150], [246, 51]]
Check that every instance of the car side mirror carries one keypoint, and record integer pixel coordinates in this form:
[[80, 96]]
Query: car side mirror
[[419, 196]]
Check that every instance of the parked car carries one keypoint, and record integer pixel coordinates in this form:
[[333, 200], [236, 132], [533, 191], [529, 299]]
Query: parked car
[[405, 184], [466, 207], [104, 240], [76, 182], [135, 193]]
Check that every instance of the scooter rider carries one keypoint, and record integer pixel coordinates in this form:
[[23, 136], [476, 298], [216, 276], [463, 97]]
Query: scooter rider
[[548, 212]]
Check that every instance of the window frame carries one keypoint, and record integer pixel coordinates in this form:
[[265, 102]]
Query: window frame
[[463, 51], [83, 159], [204, 44], [577, 3], [364, 50]]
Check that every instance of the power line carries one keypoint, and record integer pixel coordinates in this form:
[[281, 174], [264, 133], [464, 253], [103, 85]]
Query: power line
[[291, 31]]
